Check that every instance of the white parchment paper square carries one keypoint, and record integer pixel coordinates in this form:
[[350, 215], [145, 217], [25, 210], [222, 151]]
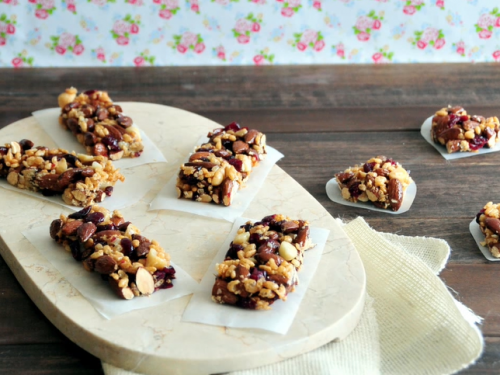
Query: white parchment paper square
[[425, 130], [167, 197], [335, 194], [201, 308], [93, 288], [48, 119], [138, 182], [479, 237]]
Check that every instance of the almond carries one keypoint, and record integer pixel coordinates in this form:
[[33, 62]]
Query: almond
[[85, 231], [395, 192], [70, 228]]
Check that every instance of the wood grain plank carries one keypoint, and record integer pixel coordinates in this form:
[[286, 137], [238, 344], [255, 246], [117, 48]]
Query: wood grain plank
[[476, 287], [61, 359], [21, 322], [321, 98]]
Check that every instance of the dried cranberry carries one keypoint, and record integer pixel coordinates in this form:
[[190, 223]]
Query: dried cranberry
[[479, 214], [354, 189], [26, 144], [368, 167], [80, 214], [169, 272], [464, 118], [390, 161], [108, 191], [71, 159], [269, 219], [454, 119], [247, 303], [102, 227], [127, 247], [111, 142], [255, 238], [234, 126], [227, 144], [75, 250], [3, 150], [256, 274], [123, 227], [477, 143], [236, 163], [90, 92], [232, 253], [96, 218]]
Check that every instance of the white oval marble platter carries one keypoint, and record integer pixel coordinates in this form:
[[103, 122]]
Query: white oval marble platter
[[155, 340]]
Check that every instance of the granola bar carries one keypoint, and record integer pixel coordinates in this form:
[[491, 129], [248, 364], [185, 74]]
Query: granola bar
[[80, 179], [99, 125], [208, 178], [105, 243], [241, 147], [489, 223], [460, 132], [380, 180], [262, 262]]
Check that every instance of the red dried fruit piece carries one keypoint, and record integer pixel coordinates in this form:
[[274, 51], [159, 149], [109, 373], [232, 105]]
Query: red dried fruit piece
[[26, 144], [234, 126], [236, 163], [55, 227]]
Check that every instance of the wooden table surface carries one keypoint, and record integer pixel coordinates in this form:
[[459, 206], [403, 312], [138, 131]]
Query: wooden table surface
[[323, 118]]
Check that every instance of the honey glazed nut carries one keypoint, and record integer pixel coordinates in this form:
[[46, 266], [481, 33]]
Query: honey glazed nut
[[220, 167], [262, 262], [380, 180], [489, 223], [458, 131], [80, 179], [99, 124], [105, 243]]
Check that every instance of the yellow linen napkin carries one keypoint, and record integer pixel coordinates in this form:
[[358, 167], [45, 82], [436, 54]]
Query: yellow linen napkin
[[411, 323]]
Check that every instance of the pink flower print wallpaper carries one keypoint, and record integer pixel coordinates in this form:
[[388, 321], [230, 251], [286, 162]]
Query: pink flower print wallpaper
[[139, 33]]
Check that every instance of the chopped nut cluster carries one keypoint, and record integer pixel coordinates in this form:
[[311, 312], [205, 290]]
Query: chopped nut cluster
[[460, 132], [219, 167], [380, 180], [99, 125], [262, 262], [489, 223], [106, 243], [80, 179]]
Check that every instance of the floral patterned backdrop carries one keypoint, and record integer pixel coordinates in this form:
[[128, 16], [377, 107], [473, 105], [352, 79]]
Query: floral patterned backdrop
[[246, 32]]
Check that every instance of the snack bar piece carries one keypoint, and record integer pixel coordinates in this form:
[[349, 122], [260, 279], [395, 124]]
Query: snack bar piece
[[106, 243], [80, 179], [241, 147], [99, 125], [458, 131], [207, 178], [262, 262], [380, 180], [489, 223]]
